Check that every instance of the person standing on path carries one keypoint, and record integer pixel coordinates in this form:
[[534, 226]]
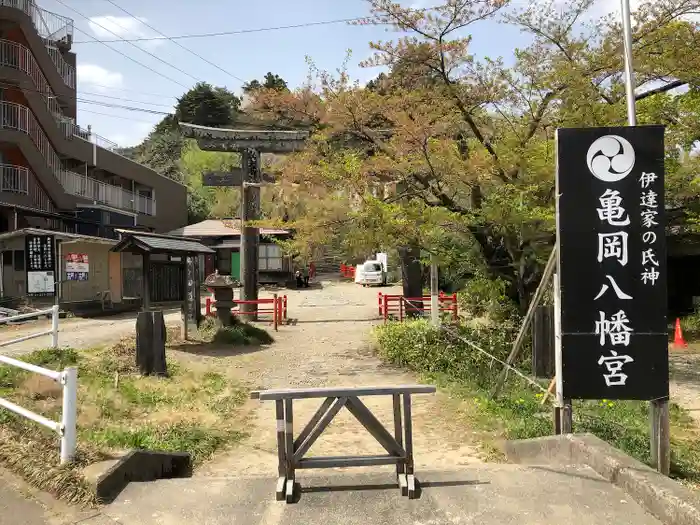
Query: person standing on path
[[306, 276]]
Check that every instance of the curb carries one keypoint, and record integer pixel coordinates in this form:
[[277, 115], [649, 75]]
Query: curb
[[662, 497], [139, 465]]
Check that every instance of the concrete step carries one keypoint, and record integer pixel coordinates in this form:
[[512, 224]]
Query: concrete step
[[487, 494]]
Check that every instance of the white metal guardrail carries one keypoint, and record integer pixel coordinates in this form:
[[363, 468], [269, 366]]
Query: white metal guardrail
[[68, 378]]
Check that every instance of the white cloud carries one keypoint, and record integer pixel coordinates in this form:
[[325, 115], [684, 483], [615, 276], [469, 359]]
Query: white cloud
[[110, 27], [98, 77]]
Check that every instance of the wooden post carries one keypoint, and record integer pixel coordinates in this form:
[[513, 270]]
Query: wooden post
[[539, 293], [567, 420], [660, 436], [250, 237], [159, 365], [146, 292], [434, 298], [289, 449]]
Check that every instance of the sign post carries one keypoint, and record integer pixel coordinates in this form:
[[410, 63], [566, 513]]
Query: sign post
[[612, 264]]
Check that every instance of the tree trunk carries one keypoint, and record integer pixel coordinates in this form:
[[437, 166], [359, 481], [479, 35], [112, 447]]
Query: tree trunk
[[412, 278]]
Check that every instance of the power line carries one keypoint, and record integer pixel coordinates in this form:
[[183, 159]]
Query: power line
[[229, 33], [123, 54], [116, 116], [120, 106], [98, 102], [177, 43], [159, 95], [246, 31], [127, 99]]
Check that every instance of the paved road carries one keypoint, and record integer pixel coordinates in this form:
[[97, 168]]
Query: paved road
[[74, 332]]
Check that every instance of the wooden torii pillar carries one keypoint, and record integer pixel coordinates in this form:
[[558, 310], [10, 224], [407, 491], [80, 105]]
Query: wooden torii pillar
[[250, 143]]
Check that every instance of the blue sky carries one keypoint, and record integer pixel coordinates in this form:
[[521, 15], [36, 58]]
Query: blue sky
[[104, 73]]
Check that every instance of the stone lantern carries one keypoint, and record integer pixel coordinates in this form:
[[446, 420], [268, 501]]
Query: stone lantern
[[222, 286]]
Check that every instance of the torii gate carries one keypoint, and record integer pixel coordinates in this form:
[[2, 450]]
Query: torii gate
[[250, 143]]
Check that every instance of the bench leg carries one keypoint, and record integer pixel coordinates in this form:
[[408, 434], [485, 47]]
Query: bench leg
[[289, 446], [398, 435], [408, 424], [281, 452]]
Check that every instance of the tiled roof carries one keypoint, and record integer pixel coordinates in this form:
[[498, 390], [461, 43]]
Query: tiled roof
[[160, 244], [219, 228]]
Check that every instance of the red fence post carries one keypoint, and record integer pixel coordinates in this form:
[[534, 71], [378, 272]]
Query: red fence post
[[379, 300], [401, 308], [285, 308], [386, 308], [455, 306], [275, 310]]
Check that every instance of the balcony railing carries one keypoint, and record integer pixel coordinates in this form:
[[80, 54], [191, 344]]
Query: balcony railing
[[14, 179], [19, 118], [53, 29], [18, 179], [104, 193], [66, 70], [17, 56]]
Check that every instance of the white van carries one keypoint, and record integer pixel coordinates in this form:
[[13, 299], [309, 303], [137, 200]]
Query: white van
[[370, 273]]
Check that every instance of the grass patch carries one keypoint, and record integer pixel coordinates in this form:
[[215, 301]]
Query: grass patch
[[193, 410], [239, 334], [518, 412]]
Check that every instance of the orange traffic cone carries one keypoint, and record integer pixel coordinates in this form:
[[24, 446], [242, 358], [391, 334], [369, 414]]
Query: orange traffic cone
[[678, 340]]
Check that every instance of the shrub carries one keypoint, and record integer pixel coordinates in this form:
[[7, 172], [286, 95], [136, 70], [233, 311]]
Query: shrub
[[422, 347], [484, 297]]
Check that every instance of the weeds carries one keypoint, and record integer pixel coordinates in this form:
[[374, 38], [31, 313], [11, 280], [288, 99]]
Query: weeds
[[518, 412], [191, 411]]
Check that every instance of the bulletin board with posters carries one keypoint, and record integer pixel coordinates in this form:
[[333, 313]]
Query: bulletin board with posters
[[77, 267]]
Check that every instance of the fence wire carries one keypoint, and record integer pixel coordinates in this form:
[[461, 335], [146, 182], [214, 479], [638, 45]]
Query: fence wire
[[476, 347]]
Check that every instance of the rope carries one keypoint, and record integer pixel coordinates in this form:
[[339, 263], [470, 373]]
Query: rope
[[484, 352]]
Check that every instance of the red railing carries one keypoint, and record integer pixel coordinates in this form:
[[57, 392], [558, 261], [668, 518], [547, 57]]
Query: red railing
[[347, 272], [278, 308], [395, 305]]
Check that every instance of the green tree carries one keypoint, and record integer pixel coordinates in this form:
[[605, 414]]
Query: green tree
[[207, 105], [450, 148], [271, 81], [161, 152]]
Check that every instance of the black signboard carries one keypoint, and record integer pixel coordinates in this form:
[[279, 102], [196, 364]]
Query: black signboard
[[40, 264], [612, 262], [194, 306]]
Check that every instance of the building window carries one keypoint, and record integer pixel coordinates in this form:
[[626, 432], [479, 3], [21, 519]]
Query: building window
[[19, 260], [269, 257], [7, 258]]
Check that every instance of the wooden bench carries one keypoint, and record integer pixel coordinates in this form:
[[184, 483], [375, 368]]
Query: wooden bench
[[290, 451]]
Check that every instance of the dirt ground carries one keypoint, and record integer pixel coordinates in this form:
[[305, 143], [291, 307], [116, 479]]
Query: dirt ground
[[328, 344]]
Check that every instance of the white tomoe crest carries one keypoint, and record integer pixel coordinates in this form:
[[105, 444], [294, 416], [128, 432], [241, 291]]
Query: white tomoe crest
[[610, 158]]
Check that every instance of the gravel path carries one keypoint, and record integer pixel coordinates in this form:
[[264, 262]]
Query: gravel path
[[330, 346], [685, 381]]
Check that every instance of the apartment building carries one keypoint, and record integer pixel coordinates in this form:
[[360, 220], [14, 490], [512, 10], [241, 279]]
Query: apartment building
[[53, 173], [58, 180]]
